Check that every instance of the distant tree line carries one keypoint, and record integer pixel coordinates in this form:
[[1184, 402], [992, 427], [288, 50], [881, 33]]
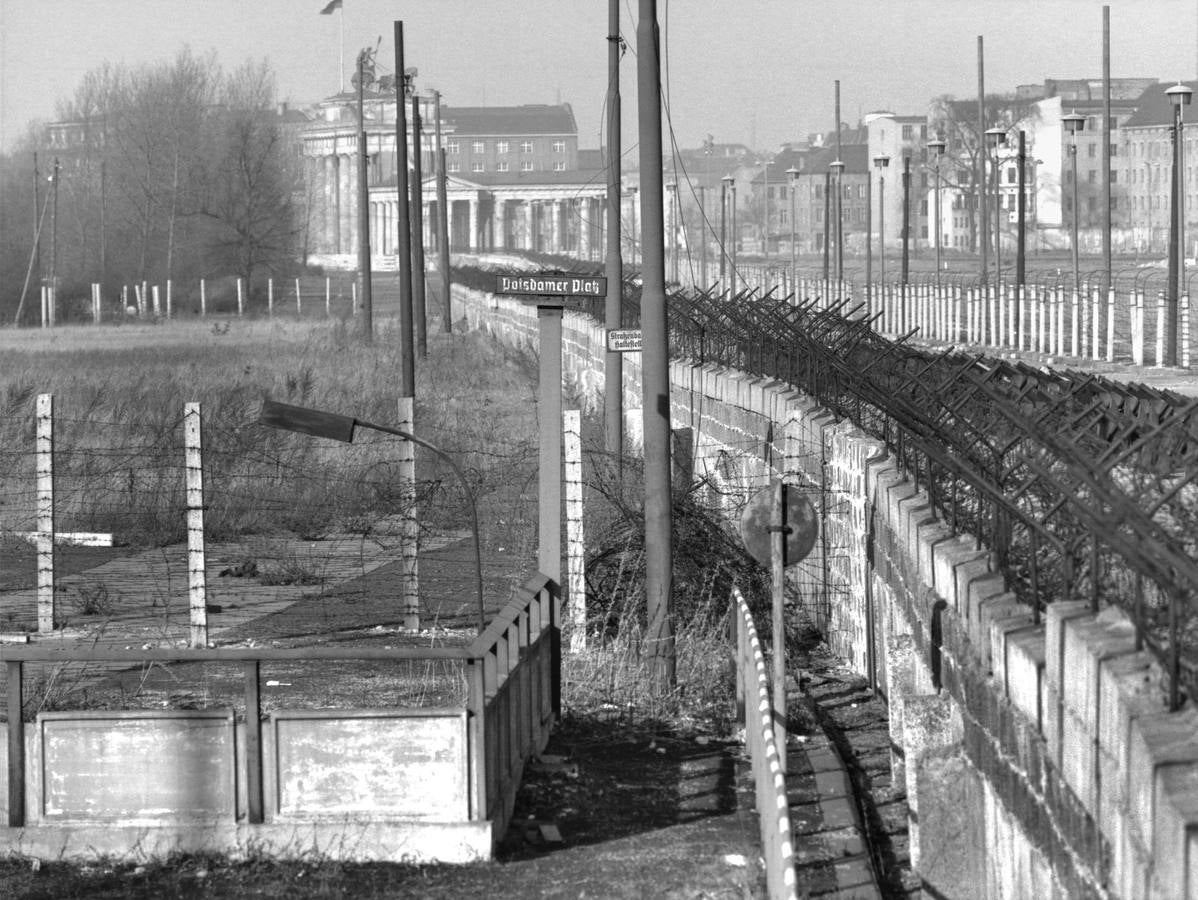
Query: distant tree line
[[171, 170]]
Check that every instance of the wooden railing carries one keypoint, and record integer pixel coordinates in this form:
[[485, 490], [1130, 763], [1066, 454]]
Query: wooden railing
[[513, 679], [753, 704]]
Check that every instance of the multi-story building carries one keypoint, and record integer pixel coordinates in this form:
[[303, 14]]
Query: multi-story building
[[514, 178], [1146, 173]]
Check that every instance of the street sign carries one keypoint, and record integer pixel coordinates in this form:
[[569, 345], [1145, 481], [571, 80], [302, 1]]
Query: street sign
[[552, 285], [798, 518], [624, 340]]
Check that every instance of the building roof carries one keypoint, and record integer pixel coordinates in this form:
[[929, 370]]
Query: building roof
[[1154, 108], [538, 118]]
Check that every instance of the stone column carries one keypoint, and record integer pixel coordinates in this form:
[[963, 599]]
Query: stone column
[[584, 227], [472, 242], [500, 224], [555, 220]]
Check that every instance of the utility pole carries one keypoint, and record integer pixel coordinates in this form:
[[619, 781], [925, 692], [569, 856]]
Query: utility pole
[[655, 375], [839, 196], [613, 315], [407, 360], [906, 220], [1021, 239], [980, 176], [442, 224], [703, 237], [37, 219], [1106, 148], [418, 231], [54, 235], [365, 304]]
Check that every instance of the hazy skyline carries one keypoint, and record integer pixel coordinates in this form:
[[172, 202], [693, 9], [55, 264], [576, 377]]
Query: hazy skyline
[[758, 72]]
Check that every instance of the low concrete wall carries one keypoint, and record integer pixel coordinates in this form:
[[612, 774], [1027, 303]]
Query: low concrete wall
[[1039, 760], [348, 784]]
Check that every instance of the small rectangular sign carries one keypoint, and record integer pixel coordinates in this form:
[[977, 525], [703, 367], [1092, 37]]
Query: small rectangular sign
[[624, 340], [551, 285]]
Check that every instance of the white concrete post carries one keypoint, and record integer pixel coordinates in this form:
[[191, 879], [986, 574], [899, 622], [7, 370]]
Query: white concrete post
[[270, 297], [143, 307], [45, 513], [1184, 329], [197, 584], [299, 303], [328, 297], [240, 298], [1110, 331], [157, 303], [203, 300], [410, 587], [169, 305], [575, 546], [1159, 360]]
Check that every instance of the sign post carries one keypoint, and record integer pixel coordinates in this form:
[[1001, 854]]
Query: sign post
[[778, 528]]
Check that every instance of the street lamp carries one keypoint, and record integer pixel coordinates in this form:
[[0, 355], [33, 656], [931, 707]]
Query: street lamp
[[837, 167], [1074, 122], [880, 163], [995, 138], [793, 174], [937, 147], [341, 428], [1179, 95]]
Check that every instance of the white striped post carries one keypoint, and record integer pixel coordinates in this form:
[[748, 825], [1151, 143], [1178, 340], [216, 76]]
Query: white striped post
[[299, 303], [157, 304], [576, 594], [240, 298], [45, 513], [328, 297], [410, 528], [203, 300], [197, 582]]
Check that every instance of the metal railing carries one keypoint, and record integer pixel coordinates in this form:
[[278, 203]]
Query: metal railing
[[513, 695], [756, 713]]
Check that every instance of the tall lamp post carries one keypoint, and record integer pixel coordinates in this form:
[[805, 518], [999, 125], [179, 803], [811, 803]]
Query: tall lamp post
[[1073, 123], [880, 163], [341, 428], [1179, 95], [995, 138], [937, 148], [837, 167], [793, 174]]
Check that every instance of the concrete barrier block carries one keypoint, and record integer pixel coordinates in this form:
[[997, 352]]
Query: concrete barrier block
[[1023, 659], [948, 556], [1079, 757], [981, 592], [930, 535], [1175, 869], [1157, 740], [1055, 618], [989, 645], [1014, 621]]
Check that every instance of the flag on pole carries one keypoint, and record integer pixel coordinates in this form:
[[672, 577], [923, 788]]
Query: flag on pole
[[332, 5]]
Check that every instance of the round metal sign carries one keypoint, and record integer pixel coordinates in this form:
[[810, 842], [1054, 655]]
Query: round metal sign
[[798, 516]]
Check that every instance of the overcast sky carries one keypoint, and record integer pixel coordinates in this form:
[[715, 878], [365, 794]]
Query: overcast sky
[[758, 72]]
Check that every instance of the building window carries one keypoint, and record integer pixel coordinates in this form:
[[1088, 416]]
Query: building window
[[477, 167], [526, 146], [501, 146], [1114, 176], [478, 146], [908, 132], [453, 167], [451, 147], [559, 146], [526, 165], [1092, 151], [782, 217], [559, 166], [1114, 151], [501, 167], [1092, 176]]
